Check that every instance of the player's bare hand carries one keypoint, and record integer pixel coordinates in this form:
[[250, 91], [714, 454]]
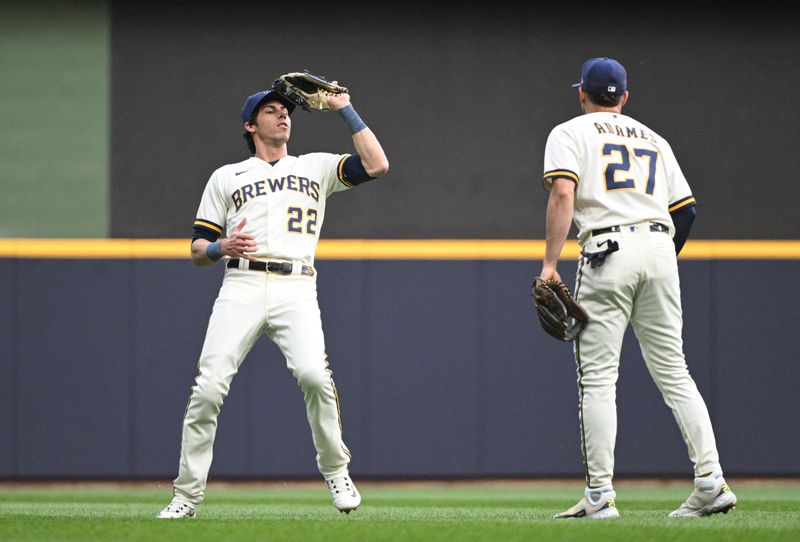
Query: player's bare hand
[[339, 101], [548, 273], [239, 244]]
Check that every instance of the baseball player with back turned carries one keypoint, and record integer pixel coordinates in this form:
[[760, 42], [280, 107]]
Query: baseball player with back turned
[[271, 206], [621, 184]]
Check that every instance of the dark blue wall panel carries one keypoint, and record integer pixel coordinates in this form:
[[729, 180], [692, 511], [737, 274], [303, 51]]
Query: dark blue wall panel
[[757, 365], [441, 367], [171, 302], [423, 335], [342, 297], [279, 439], [528, 413], [8, 383], [73, 367]]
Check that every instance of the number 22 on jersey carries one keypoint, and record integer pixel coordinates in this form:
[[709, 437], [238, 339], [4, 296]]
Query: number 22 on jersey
[[295, 223]]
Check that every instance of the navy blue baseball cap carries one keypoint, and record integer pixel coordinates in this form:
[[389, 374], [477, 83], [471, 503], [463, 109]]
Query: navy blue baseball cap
[[253, 102], [603, 76]]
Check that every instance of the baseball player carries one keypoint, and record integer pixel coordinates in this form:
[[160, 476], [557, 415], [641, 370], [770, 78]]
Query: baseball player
[[271, 206], [621, 184]]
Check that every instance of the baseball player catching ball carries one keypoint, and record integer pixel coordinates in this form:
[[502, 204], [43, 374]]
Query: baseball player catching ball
[[270, 208], [621, 184]]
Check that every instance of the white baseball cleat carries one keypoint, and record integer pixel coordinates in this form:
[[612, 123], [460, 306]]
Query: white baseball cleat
[[711, 495], [177, 510], [596, 504], [346, 497]]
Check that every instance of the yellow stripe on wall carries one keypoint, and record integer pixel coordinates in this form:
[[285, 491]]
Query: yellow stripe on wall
[[95, 248], [741, 250], [385, 249], [431, 249]]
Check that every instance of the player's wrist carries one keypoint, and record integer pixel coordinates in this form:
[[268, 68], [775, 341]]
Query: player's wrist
[[351, 118], [214, 251]]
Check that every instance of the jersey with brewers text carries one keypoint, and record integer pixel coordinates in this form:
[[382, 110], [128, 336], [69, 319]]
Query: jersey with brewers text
[[284, 203], [624, 172]]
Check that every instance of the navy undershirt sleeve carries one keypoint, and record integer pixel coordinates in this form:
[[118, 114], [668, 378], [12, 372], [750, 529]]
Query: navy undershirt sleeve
[[204, 233], [683, 220], [353, 171]]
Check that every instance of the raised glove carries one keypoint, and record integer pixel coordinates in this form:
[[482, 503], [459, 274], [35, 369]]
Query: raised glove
[[307, 90], [555, 306]]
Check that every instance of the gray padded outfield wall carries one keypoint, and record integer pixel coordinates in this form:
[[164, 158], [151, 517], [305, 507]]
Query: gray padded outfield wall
[[98, 359], [462, 100]]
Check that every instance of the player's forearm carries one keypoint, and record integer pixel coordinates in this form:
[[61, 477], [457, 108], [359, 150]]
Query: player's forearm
[[559, 220], [238, 244], [366, 144], [200, 252], [372, 156]]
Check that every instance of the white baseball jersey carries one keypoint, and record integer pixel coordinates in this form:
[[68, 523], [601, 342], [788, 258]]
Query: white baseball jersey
[[626, 175], [624, 172], [284, 203]]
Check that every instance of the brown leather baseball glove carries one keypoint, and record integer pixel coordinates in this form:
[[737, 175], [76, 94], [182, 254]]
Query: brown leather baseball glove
[[560, 315], [307, 90]]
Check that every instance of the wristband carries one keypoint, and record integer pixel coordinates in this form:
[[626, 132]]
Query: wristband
[[214, 251], [352, 119]]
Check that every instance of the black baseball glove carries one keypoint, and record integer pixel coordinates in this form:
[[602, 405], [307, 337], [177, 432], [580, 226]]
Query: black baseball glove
[[307, 90], [560, 315]]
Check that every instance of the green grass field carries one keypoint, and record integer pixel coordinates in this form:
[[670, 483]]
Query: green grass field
[[498, 511]]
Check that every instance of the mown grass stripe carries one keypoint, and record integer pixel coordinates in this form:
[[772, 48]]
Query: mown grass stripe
[[426, 511]]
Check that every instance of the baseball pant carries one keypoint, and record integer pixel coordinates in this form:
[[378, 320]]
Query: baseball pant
[[250, 304], [640, 284]]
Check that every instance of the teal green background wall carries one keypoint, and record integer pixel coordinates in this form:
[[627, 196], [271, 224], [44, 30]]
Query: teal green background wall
[[54, 119]]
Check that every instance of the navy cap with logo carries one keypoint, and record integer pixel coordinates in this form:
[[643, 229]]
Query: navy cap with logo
[[603, 76], [254, 101]]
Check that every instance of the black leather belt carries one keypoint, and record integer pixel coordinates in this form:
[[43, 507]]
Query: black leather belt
[[654, 226], [281, 267]]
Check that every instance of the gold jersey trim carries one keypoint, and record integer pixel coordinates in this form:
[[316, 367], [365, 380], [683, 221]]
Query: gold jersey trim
[[340, 172], [681, 204], [572, 176], [208, 225]]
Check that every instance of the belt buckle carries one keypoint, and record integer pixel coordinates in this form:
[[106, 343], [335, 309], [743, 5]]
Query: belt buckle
[[284, 268], [288, 268]]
